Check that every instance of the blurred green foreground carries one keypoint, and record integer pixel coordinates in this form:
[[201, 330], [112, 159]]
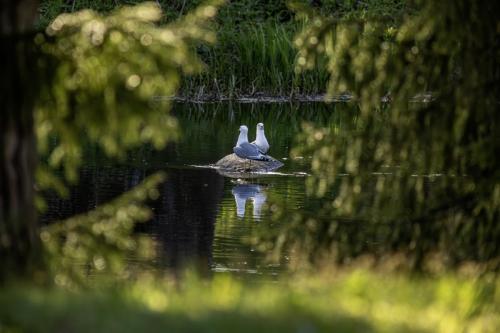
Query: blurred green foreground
[[355, 302]]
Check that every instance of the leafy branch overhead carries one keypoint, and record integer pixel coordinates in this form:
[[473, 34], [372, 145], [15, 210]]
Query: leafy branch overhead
[[398, 148], [98, 242], [111, 66]]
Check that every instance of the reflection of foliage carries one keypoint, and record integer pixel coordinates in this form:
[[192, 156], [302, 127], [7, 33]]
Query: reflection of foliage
[[106, 68], [98, 242], [451, 49], [281, 122]]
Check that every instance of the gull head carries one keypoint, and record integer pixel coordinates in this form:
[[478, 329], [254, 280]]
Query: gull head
[[243, 128], [260, 126]]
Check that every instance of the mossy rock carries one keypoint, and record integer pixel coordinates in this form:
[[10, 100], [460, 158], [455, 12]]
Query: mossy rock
[[233, 163]]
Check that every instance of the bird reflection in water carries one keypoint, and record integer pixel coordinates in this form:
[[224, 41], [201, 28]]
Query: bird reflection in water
[[253, 192]]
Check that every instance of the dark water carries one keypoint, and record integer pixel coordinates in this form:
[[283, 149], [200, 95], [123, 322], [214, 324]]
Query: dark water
[[201, 216]]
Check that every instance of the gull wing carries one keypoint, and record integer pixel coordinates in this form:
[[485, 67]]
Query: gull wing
[[262, 150], [249, 151]]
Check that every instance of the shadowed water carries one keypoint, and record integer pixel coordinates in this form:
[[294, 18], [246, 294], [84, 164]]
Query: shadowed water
[[202, 217]]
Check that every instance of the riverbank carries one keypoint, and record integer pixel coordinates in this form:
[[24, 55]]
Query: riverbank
[[254, 98], [254, 53]]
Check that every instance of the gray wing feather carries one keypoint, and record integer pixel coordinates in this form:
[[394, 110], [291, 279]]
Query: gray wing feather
[[248, 151], [262, 150]]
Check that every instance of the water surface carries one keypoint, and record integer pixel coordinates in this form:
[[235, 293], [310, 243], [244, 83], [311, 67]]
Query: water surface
[[201, 216]]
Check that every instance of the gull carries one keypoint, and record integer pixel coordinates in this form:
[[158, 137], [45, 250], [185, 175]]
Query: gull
[[260, 139], [245, 149]]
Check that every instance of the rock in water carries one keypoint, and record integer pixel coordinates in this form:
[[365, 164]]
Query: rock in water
[[233, 163]]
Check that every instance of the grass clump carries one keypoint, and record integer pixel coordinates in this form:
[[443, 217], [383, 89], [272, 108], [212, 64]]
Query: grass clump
[[251, 60]]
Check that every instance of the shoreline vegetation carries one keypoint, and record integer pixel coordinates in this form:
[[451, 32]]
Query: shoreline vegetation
[[266, 98], [254, 56]]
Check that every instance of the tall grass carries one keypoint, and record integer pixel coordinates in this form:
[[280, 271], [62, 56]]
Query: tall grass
[[254, 53], [252, 59]]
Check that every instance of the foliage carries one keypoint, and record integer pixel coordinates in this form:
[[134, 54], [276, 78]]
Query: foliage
[[98, 74], [419, 174], [98, 243], [103, 70], [359, 301]]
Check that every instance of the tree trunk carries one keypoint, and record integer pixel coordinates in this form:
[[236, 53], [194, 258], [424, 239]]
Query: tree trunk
[[19, 231]]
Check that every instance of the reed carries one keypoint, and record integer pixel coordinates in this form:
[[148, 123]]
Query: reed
[[254, 53], [254, 59]]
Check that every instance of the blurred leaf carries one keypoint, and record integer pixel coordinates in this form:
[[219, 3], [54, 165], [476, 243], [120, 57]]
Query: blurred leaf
[[98, 243], [419, 174], [104, 70]]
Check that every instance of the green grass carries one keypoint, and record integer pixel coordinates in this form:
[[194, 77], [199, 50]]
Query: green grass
[[254, 53], [253, 59], [351, 302]]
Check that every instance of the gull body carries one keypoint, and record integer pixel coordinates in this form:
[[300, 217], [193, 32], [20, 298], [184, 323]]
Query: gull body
[[245, 149], [260, 139]]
